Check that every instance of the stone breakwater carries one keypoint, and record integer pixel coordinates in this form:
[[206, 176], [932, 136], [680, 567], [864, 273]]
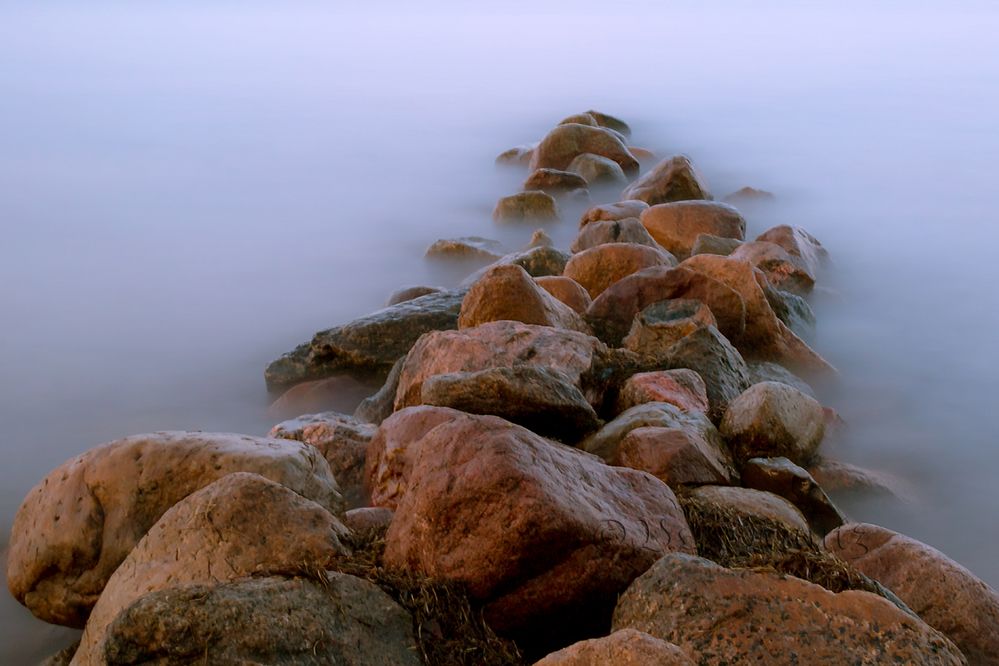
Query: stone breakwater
[[608, 453]]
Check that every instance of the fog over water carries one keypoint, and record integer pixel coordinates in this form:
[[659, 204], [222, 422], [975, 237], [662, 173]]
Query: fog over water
[[189, 190]]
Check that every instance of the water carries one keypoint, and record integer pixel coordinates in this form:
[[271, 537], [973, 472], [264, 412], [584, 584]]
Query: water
[[189, 189]]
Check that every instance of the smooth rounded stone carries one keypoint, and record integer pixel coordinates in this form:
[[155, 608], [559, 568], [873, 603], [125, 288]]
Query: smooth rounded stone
[[781, 270], [643, 155], [530, 206], [804, 248], [77, 526], [596, 170], [540, 399], [368, 519], [599, 267], [369, 345], [613, 211], [673, 179], [748, 195], [676, 456], [507, 292], [682, 387], [555, 182], [540, 238], [466, 248], [609, 121], [341, 620], [793, 310], [741, 616], [625, 647], [404, 294], [765, 371], [661, 325], [240, 525], [782, 477], [771, 419], [518, 156], [720, 365], [676, 226], [841, 477], [565, 142], [628, 230], [940, 591], [543, 535], [580, 119], [711, 244], [566, 290], [379, 406], [754, 503], [342, 440], [537, 261], [318, 395]]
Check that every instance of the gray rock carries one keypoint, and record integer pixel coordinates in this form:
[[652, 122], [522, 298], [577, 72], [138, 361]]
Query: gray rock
[[708, 353], [709, 244], [772, 419], [378, 407], [793, 310], [767, 371]]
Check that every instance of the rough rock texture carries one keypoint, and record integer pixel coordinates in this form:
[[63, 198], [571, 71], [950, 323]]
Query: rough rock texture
[[673, 179], [565, 142], [368, 345], [342, 620], [628, 230], [540, 399], [782, 477], [75, 527], [342, 440], [599, 267], [943, 593], [711, 244], [765, 371], [320, 395], [240, 525], [518, 156], [780, 268], [771, 419], [676, 226], [677, 456], [566, 290], [793, 310], [555, 182], [626, 647], [710, 355], [682, 387], [404, 294], [537, 261], [748, 502], [473, 248], [530, 206], [661, 325], [379, 406], [534, 529], [740, 616], [804, 248], [368, 518], [613, 211], [507, 292], [597, 170]]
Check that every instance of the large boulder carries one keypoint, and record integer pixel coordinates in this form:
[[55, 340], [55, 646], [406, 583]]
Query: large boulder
[[338, 620], [613, 211], [530, 206], [508, 292], [369, 345], [682, 387], [772, 419], [767, 371], [379, 405], [555, 182], [661, 325], [736, 616], [720, 365], [610, 122], [626, 647], [673, 179], [601, 266], [676, 226], [240, 525], [782, 477], [676, 456], [711, 244], [943, 593], [566, 290], [597, 170], [803, 248], [78, 525], [538, 261], [565, 142], [628, 230], [782, 271], [747, 504]]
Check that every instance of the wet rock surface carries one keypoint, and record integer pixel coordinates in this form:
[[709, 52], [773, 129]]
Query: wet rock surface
[[555, 182], [613, 211], [566, 290]]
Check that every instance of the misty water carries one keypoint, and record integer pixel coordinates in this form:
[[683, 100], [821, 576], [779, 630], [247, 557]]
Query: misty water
[[187, 191]]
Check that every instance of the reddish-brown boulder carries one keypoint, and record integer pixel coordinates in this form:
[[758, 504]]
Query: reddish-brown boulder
[[613, 211], [673, 179], [843, 477], [661, 325], [566, 290], [336, 392], [682, 387], [565, 142], [782, 477], [368, 519], [599, 267], [720, 365], [771, 419], [676, 226], [626, 647], [628, 230], [507, 292], [610, 122], [530, 206], [596, 170], [804, 248], [643, 155], [677, 456], [780, 268], [404, 294], [555, 182], [518, 156], [754, 503], [579, 119], [711, 244]]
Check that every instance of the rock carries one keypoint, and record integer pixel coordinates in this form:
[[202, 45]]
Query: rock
[[765, 371], [596, 170], [379, 406], [369, 345], [240, 525], [673, 179], [750, 503], [710, 244], [610, 122], [507, 292], [368, 519], [720, 365], [555, 182], [337, 392], [843, 477], [943, 593], [533, 530], [519, 156], [566, 290], [540, 239], [676, 456], [599, 267], [676, 226], [75, 527], [741, 616], [342, 440], [628, 230], [801, 245], [63, 657], [626, 647], [580, 119], [530, 206], [614, 211], [466, 248], [683, 388], [748, 195], [661, 325], [540, 399], [341, 620], [771, 419], [409, 293], [793, 310], [781, 270], [643, 155], [565, 142], [782, 477], [538, 262]]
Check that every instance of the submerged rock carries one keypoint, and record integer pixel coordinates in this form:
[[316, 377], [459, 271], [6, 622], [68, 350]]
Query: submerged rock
[[611, 122], [843, 477], [519, 156], [472, 248], [626, 647], [319, 395], [530, 206], [771, 419], [673, 179], [404, 294], [565, 142], [507, 292], [613, 211], [601, 266], [676, 226], [748, 195], [628, 230], [596, 170], [555, 182]]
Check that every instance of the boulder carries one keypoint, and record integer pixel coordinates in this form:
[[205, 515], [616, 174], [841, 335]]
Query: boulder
[[682, 387], [369, 345], [628, 230], [379, 406], [782, 477], [596, 170], [540, 238], [240, 525], [766, 371], [466, 248], [673, 179], [803, 248], [676, 226], [565, 142], [404, 294], [566, 290], [273, 620], [540, 399], [781, 270], [943, 593], [613, 211], [518, 156], [537, 261], [530, 206], [771, 419], [643, 155], [841, 477], [676, 456], [368, 519], [507, 292], [318, 395], [626, 647], [78, 525], [605, 120], [599, 267], [736, 616], [661, 325], [748, 195], [555, 182], [342, 440], [580, 119], [748, 503], [793, 310], [720, 365], [711, 244]]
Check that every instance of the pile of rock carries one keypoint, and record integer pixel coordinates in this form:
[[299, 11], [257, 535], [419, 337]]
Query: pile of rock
[[593, 456]]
